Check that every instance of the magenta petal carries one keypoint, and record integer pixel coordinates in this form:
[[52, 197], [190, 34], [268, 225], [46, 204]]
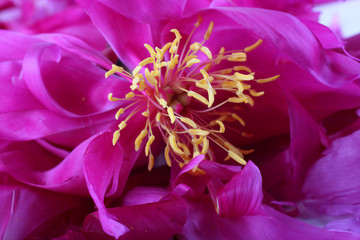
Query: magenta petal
[[242, 195], [273, 225], [40, 165], [306, 134], [346, 225], [108, 167], [160, 220], [147, 11], [334, 179], [24, 209], [142, 195], [125, 36]]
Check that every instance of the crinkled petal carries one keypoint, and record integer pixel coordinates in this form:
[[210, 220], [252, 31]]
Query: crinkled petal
[[25, 210], [160, 220], [125, 36], [334, 178], [242, 195], [204, 223], [106, 169]]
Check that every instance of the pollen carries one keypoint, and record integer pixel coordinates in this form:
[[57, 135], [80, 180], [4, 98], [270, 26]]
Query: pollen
[[185, 91]]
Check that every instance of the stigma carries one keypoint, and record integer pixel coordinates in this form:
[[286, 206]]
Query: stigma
[[185, 92]]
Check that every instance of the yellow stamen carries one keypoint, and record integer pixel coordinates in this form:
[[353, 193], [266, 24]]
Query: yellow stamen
[[111, 98], [205, 146], [130, 95], [209, 31], [240, 76], [174, 146], [171, 114], [192, 62], [151, 79], [239, 119], [148, 144], [206, 51], [139, 139], [147, 61], [122, 125], [136, 70], [162, 102], [158, 116], [173, 62], [167, 155], [118, 113], [150, 49], [116, 137], [188, 121], [256, 94], [265, 80], [151, 162], [198, 97], [255, 45], [237, 158], [222, 126], [198, 132]]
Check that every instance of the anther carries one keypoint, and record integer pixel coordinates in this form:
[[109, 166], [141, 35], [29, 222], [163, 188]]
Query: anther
[[139, 139], [209, 31]]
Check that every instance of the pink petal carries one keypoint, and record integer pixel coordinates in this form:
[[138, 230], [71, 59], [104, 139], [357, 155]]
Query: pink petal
[[127, 41], [160, 220], [334, 178], [106, 169], [242, 195], [27, 211]]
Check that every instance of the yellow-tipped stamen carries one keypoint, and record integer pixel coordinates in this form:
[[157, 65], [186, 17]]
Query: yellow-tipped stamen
[[151, 162], [237, 158], [209, 31], [239, 119], [130, 95], [148, 144], [255, 45], [188, 121], [139, 139], [136, 70], [174, 146], [116, 137], [198, 132], [173, 79], [118, 113], [167, 155], [171, 114], [150, 49], [222, 126]]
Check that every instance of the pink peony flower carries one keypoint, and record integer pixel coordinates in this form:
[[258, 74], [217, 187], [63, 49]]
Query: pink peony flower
[[190, 104]]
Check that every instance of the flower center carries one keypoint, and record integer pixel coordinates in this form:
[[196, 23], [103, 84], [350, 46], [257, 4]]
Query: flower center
[[186, 95]]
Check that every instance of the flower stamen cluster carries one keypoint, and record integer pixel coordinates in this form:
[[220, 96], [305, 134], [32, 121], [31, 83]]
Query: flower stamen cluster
[[163, 90]]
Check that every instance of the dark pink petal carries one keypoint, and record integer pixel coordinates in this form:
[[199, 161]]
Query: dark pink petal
[[142, 195], [125, 36], [285, 39], [26, 211], [160, 220], [204, 223], [306, 141], [146, 11], [46, 166], [242, 195], [106, 169], [334, 179]]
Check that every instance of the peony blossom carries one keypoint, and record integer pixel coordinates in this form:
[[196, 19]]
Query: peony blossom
[[49, 16], [242, 103]]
